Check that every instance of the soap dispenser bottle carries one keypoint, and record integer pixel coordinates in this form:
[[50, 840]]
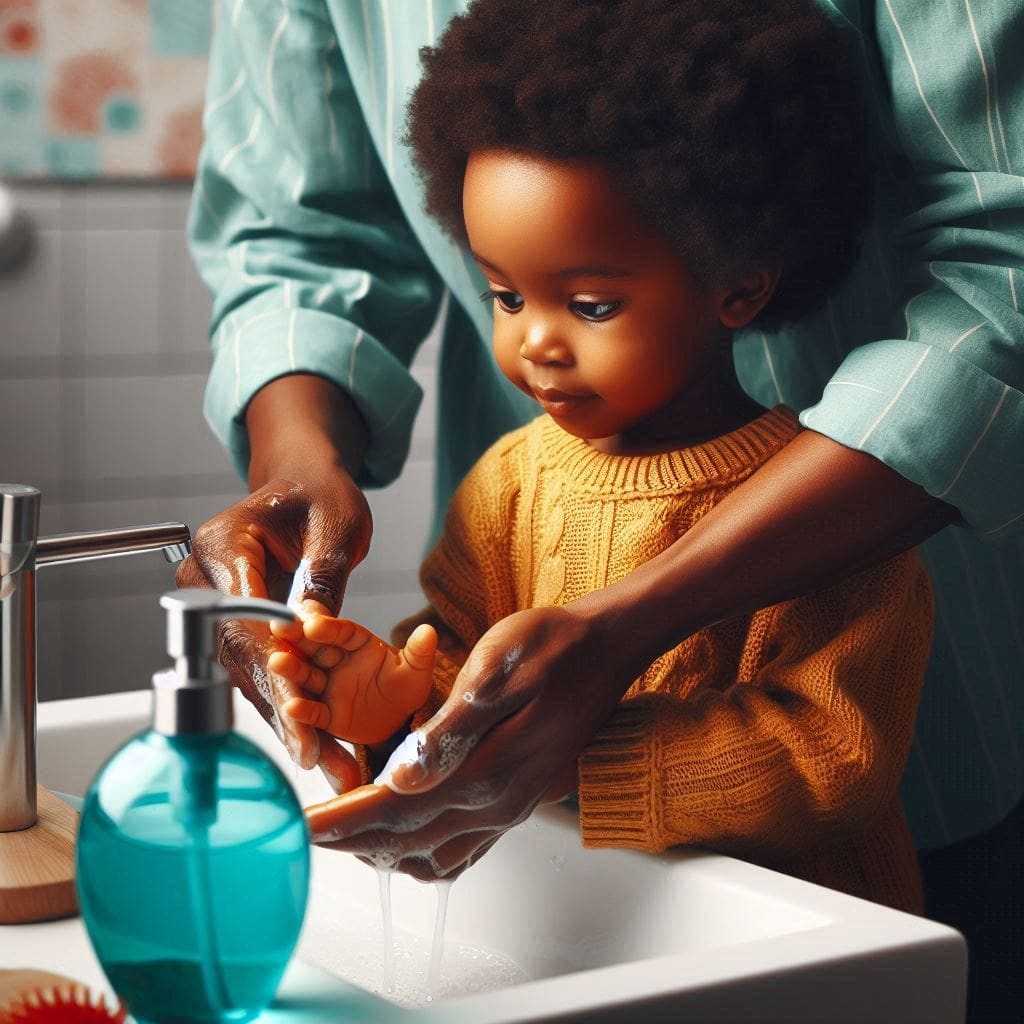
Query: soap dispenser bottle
[[193, 851]]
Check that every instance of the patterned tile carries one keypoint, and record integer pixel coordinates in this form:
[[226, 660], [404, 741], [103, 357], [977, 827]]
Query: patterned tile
[[102, 88]]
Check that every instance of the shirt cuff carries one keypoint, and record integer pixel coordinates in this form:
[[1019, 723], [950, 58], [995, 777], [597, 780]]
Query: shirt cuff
[[250, 353], [938, 420]]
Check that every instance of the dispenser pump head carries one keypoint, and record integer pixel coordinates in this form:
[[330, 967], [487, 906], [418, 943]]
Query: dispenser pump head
[[194, 696]]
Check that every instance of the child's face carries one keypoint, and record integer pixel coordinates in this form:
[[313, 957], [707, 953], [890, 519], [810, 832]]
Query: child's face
[[595, 316]]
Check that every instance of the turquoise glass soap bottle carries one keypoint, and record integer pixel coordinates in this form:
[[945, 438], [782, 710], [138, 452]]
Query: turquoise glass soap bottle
[[193, 851]]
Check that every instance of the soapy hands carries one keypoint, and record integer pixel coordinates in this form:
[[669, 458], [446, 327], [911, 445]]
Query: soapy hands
[[293, 539], [533, 692], [365, 690]]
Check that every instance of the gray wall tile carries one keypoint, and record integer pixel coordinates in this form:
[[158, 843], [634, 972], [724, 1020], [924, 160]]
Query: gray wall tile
[[176, 199], [123, 207], [30, 448], [111, 645], [146, 426], [192, 509], [42, 203], [30, 306], [401, 518], [122, 292]]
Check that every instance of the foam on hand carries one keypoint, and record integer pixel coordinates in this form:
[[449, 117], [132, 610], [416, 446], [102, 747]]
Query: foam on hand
[[409, 752], [261, 680], [302, 583]]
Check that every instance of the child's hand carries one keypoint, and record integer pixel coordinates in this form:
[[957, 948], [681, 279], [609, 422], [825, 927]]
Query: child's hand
[[365, 689]]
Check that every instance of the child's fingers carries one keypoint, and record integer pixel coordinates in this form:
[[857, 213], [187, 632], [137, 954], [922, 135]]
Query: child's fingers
[[338, 765], [308, 712], [343, 633], [298, 670], [311, 607], [419, 650], [285, 630], [323, 654]]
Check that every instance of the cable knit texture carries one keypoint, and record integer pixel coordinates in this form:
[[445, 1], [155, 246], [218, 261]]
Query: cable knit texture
[[779, 737]]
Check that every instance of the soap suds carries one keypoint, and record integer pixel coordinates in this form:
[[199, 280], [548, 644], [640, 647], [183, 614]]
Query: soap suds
[[220, 576], [511, 659], [306, 586], [480, 793], [453, 751], [261, 680], [302, 582], [409, 752], [242, 568]]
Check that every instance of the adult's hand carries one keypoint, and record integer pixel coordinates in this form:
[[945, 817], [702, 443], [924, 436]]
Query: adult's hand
[[540, 683], [532, 693], [306, 522]]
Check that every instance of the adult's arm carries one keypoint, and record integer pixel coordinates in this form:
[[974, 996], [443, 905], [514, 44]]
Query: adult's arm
[[943, 402], [321, 296], [297, 232]]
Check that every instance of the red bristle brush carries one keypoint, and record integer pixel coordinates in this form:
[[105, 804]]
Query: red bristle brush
[[39, 997]]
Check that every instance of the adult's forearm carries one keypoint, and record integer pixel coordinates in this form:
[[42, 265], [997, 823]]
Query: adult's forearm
[[813, 514], [302, 419]]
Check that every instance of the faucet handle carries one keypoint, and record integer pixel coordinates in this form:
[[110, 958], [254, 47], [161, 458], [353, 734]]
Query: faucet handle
[[19, 526]]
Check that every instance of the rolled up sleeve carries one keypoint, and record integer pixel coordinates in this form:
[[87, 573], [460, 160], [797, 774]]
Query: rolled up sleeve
[[297, 232], [944, 404]]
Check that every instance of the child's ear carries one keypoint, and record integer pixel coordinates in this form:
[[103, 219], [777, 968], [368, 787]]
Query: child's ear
[[743, 301]]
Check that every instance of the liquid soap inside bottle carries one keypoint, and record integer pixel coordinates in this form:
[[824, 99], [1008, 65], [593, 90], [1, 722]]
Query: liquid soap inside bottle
[[196, 869]]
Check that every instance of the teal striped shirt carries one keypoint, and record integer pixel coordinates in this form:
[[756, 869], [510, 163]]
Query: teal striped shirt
[[306, 225]]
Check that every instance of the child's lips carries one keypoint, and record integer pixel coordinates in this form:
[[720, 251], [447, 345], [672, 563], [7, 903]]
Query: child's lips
[[559, 402]]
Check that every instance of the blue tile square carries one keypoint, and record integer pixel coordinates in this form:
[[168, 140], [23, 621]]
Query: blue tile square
[[180, 28]]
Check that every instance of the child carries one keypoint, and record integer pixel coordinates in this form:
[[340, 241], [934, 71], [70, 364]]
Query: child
[[635, 190]]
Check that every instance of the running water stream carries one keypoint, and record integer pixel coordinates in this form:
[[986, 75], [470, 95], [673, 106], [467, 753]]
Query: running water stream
[[409, 969], [442, 887], [337, 937]]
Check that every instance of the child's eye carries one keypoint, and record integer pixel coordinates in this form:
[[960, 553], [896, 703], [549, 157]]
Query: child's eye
[[597, 310], [510, 302]]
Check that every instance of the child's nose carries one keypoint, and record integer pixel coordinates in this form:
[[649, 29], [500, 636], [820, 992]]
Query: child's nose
[[543, 344]]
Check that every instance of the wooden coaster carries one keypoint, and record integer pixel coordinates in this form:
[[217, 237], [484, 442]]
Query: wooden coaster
[[37, 865]]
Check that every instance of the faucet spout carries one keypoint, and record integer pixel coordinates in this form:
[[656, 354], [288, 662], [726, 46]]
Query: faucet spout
[[22, 551], [63, 548]]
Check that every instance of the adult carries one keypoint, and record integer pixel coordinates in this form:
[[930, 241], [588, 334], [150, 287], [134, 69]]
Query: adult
[[307, 226]]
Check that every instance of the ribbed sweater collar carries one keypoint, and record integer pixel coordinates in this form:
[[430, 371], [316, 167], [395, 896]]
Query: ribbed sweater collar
[[718, 461]]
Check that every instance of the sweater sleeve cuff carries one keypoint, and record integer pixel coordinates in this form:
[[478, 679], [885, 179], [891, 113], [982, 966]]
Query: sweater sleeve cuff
[[615, 773], [363, 760], [938, 420]]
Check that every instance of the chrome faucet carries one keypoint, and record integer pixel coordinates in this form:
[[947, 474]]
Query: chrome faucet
[[22, 551]]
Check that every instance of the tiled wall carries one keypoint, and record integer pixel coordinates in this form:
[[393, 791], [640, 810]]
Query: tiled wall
[[103, 359]]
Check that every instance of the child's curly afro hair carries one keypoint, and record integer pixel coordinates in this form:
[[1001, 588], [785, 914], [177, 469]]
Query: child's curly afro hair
[[735, 127]]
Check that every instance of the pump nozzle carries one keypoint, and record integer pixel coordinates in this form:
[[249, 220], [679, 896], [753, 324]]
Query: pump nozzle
[[193, 697], [192, 614]]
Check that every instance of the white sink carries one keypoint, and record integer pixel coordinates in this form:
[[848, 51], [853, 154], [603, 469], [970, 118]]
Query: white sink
[[564, 933]]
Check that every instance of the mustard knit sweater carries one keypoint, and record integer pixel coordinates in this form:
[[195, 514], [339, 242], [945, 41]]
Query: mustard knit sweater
[[779, 737]]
